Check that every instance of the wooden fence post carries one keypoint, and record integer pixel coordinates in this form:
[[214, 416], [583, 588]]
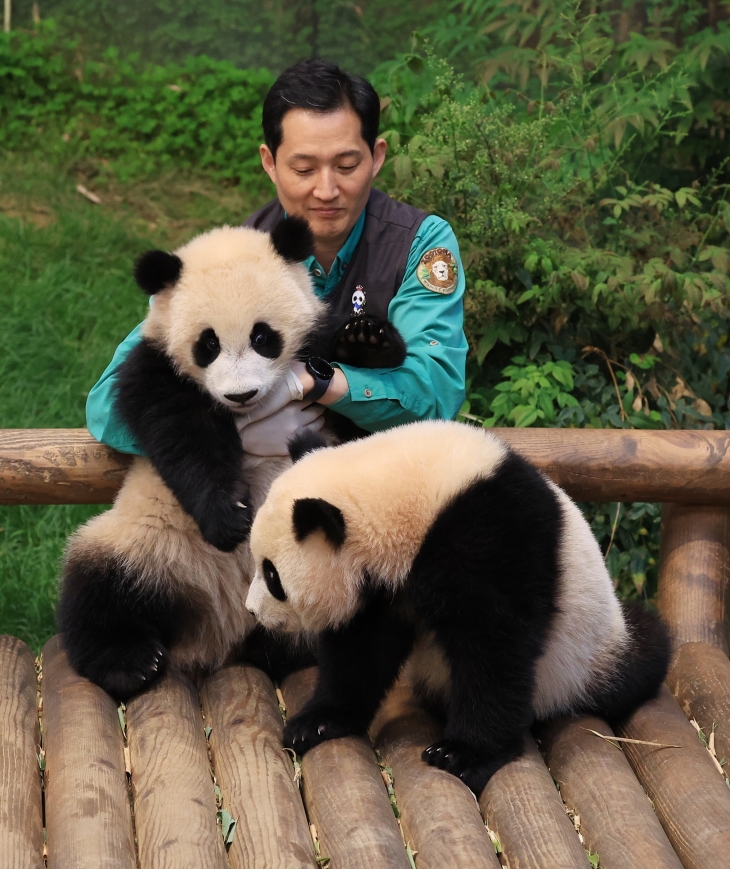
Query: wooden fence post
[[694, 567]]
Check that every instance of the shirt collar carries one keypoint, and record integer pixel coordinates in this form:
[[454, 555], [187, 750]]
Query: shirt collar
[[324, 284]]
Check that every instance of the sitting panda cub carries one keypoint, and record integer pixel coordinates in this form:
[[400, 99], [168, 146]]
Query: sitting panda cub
[[162, 576], [435, 546]]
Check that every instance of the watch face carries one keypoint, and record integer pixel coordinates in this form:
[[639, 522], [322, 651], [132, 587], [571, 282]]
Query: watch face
[[320, 368]]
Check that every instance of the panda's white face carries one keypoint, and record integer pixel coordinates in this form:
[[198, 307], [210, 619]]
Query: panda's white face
[[236, 317], [306, 579]]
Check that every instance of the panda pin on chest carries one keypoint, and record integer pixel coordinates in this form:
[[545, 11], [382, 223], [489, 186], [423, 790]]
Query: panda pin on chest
[[434, 550]]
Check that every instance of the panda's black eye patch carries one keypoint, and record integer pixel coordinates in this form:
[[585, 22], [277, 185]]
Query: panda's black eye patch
[[273, 583], [207, 348], [266, 341]]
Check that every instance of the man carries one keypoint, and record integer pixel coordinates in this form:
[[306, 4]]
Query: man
[[322, 153]]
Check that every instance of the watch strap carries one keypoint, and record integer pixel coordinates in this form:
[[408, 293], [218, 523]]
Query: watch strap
[[319, 388]]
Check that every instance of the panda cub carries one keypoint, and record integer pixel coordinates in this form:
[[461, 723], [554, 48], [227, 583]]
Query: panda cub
[[163, 576], [435, 546]]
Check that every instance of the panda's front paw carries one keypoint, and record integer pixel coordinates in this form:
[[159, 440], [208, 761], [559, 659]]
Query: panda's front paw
[[368, 342], [228, 524], [460, 759], [127, 668], [311, 727]]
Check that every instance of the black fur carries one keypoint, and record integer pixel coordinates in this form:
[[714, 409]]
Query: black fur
[[266, 341], [640, 672], [116, 629], [316, 514], [273, 580], [277, 654], [304, 443], [367, 342], [293, 239], [357, 665], [206, 349], [156, 270], [192, 442], [485, 583]]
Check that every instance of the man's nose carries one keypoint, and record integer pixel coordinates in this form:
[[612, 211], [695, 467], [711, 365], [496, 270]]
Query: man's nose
[[326, 187]]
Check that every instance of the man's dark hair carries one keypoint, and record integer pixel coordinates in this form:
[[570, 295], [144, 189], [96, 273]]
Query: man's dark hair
[[319, 86]]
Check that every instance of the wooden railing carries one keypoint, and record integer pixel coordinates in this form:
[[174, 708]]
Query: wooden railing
[[687, 471]]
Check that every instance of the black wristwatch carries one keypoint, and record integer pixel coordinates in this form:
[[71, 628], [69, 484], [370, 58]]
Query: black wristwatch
[[322, 372]]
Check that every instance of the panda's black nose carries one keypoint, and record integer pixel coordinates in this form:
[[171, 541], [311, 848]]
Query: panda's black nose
[[241, 397]]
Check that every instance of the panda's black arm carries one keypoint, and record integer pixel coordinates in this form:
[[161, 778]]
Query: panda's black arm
[[358, 663], [193, 444]]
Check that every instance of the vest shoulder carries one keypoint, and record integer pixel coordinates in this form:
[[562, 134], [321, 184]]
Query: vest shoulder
[[266, 217], [382, 207]]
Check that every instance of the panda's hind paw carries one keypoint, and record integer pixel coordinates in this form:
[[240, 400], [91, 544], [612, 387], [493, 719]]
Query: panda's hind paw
[[368, 342], [470, 765], [311, 727], [124, 671]]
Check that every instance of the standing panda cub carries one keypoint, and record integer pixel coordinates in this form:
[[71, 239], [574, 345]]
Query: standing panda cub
[[163, 576], [435, 546]]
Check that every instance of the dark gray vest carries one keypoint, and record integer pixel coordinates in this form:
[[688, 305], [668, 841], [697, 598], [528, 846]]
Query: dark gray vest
[[380, 258]]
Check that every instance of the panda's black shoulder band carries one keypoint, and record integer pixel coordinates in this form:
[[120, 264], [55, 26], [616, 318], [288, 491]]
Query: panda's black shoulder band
[[156, 270], [292, 239]]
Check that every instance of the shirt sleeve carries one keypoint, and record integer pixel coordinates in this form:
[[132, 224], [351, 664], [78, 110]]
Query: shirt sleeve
[[101, 418], [431, 382]]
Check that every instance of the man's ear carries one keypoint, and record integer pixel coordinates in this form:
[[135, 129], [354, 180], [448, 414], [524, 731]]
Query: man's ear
[[156, 270], [313, 514]]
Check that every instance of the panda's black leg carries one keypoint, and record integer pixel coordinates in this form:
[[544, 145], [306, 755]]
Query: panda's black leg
[[489, 710], [357, 665], [115, 634], [485, 582]]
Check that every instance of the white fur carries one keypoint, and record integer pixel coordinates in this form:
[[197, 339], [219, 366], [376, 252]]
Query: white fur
[[390, 488]]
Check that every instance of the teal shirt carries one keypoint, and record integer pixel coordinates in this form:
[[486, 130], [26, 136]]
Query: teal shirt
[[428, 385]]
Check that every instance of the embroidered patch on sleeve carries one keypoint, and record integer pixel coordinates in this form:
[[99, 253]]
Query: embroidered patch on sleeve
[[438, 270]]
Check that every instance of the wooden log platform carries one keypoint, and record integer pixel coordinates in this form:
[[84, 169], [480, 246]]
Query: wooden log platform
[[154, 785]]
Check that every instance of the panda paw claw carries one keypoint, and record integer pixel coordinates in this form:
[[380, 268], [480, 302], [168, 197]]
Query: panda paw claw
[[369, 342], [132, 667], [228, 523], [309, 728], [473, 767]]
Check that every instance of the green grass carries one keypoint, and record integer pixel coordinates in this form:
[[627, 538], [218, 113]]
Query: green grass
[[66, 300]]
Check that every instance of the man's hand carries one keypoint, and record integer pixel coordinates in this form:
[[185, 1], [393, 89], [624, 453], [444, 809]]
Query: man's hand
[[270, 435]]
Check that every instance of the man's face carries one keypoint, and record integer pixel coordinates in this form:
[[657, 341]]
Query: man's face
[[324, 170]]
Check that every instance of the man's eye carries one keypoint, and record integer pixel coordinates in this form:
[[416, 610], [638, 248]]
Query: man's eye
[[348, 168], [303, 171]]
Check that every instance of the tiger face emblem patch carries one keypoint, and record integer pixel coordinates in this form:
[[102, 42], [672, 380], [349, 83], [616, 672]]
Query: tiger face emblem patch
[[438, 270]]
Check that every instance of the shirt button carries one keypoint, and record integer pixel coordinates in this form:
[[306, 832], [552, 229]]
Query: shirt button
[[368, 393], [318, 273], [434, 343]]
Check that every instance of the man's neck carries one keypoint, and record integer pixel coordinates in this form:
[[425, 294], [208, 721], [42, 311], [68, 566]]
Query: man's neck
[[325, 254]]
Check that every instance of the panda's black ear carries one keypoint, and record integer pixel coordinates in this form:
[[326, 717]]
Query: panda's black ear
[[304, 443], [312, 514], [156, 270], [292, 239]]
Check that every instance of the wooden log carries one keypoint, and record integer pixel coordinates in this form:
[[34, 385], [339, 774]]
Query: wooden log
[[58, 466], [254, 772], [694, 566], [21, 819], [174, 800], [699, 678], [439, 816], [598, 785], [689, 795], [88, 817], [358, 831], [522, 806], [67, 466]]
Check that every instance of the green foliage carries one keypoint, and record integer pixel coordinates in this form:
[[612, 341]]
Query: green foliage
[[203, 113], [594, 225], [249, 33]]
